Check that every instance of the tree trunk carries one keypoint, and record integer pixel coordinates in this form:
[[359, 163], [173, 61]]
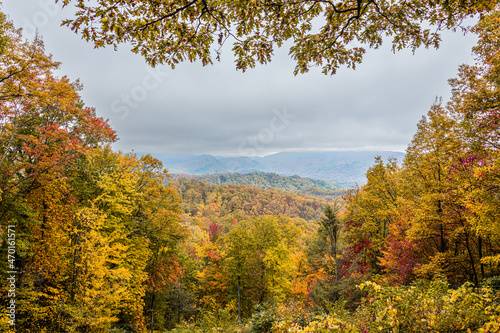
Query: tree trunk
[[480, 249], [152, 311], [239, 300], [179, 303], [442, 245], [336, 262], [75, 273], [471, 258]]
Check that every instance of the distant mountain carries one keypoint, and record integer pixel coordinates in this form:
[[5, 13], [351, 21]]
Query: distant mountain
[[208, 164], [242, 164], [345, 168], [297, 184], [192, 164]]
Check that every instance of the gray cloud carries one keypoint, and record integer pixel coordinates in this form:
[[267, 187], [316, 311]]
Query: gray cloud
[[215, 109]]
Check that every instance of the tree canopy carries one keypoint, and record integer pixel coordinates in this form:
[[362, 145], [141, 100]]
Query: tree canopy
[[326, 33], [94, 240]]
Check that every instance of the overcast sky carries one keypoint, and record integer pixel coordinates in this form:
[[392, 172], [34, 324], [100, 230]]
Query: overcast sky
[[218, 110]]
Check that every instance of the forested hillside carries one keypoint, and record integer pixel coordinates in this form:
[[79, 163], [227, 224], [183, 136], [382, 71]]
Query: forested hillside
[[345, 168], [223, 200], [318, 188], [85, 231], [95, 241]]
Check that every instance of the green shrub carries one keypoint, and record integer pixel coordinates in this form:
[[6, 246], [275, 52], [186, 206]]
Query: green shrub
[[428, 306], [213, 321], [263, 319]]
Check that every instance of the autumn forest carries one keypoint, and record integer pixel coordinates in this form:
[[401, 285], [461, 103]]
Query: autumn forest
[[97, 240]]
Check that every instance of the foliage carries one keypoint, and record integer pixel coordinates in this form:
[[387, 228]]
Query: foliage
[[330, 226], [217, 201], [435, 216], [105, 243], [428, 307], [258, 261], [326, 34], [263, 319], [92, 226], [265, 180], [221, 320], [425, 306]]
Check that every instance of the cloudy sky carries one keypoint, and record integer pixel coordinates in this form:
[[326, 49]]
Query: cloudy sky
[[218, 110]]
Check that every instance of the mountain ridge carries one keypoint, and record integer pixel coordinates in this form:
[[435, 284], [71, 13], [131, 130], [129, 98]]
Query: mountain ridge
[[344, 168], [269, 180]]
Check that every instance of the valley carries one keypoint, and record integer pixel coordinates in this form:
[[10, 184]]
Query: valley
[[342, 168]]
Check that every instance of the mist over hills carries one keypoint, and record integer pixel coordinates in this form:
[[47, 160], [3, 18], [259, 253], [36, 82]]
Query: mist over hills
[[345, 168]]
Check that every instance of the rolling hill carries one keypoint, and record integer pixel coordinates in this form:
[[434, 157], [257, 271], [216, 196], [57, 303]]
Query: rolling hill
[[345, 168], [263, 180]]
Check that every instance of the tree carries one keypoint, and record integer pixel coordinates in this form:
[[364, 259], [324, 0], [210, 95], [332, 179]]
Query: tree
[[46, 131], [258, 260], [324, 33], [330, 225], [213, 278], [400, 255], [440, 221], [3, 35], [370, 211], [476, 107], [124, 238], [97, 231]]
